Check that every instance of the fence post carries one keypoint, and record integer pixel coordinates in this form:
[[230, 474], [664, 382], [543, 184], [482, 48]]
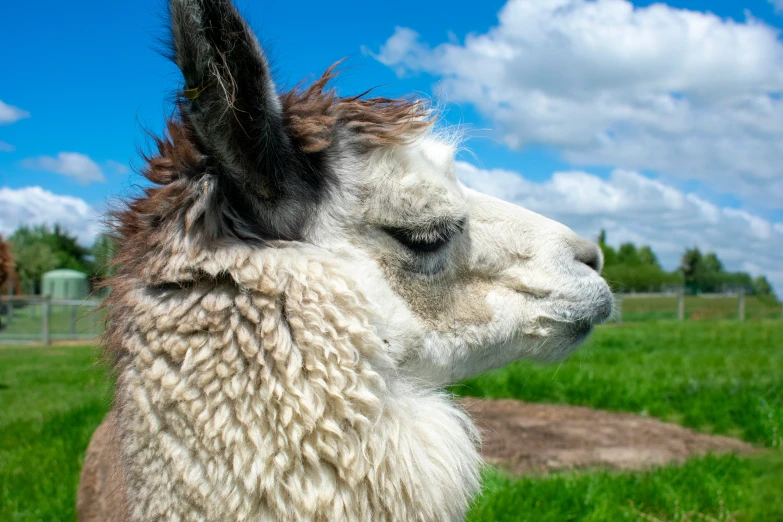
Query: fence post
[[46, 315], [741, 305], [681, 305]]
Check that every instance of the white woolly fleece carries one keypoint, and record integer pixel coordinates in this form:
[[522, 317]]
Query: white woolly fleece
[[273, 400]]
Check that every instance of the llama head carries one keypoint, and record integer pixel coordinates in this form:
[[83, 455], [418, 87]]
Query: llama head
[[457, 282]]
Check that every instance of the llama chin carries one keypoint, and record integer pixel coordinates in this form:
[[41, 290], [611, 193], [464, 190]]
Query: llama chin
[[303, 276]]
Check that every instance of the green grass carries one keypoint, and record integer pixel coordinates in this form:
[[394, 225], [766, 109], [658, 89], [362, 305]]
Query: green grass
[[725, 488], [717, 377], [723, 377], [50, 402]]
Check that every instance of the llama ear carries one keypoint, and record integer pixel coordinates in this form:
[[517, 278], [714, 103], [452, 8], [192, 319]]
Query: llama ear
[[238, 117], [233, 106]]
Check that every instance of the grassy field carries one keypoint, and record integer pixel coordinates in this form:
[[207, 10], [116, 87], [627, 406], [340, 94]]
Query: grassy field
[[52, 399], [716, 377], [708, 489]]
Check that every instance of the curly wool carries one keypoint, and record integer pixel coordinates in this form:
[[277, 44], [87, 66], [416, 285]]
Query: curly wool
[[261, 392]]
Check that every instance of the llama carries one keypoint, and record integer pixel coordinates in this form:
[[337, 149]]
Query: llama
[[294, 290]]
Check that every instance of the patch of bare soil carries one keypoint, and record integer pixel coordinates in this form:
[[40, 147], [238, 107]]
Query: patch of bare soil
[[526, 438]]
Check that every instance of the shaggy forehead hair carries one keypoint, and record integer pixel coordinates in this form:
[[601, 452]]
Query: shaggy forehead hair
[[312, 114]]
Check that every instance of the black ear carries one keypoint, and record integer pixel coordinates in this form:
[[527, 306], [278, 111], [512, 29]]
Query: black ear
[[237, 115]]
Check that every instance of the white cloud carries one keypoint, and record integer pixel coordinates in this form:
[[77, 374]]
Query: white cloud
[[778, 5], [632, 207], [606, 83], [6, 147], [38, 206], [71, 164], [117, 167], [10, 114]]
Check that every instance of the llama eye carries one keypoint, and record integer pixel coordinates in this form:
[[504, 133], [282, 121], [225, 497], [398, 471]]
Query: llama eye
[[417, 242]]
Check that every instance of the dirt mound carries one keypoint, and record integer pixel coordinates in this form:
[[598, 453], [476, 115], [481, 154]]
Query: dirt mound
[[533, 438]]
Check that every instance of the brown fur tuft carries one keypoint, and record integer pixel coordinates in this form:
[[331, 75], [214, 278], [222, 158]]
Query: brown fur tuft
[[311, 115], [137, 226]]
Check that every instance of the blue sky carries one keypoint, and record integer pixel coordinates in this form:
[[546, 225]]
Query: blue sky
[[83, 79]]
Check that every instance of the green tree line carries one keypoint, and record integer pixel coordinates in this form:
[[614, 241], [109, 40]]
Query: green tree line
[[38, 249], [636, 269]]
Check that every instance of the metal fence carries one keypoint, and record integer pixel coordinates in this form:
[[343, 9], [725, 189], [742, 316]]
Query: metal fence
[[679, 306], [41, 319]]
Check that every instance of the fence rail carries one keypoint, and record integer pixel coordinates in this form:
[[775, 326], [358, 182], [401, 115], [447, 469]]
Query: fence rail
[[677, 305], [41, 319]]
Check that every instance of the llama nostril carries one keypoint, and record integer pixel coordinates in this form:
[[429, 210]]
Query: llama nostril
[[590, 254]]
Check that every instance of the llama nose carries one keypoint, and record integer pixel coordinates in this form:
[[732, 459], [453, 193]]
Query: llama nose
[[589, 253]]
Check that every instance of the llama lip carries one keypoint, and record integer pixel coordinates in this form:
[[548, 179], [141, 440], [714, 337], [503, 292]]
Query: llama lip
[[605, 306], [601, 310], [582, 327], [584, 314]]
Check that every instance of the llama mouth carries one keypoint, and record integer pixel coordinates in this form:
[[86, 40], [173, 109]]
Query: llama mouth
[[582, 327], [583, 316], [602, 311], [598, 308]]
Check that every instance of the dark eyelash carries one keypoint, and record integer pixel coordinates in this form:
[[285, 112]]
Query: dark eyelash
[[424, 243], [416, 244]]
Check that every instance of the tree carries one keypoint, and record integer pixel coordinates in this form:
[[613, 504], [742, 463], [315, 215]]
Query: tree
[[610, 256], [40, 249], [103, 252], [7, 271], [734, 282], [712, 264], [637, 269], [706, 274], [692, 269], [632, 269], [714, 278], [32, 262], [627, 255], [761, 287], [691, 262], [65, 247], [648, 257]]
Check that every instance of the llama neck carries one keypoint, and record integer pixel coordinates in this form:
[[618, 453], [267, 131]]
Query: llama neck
[[270, 398]]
